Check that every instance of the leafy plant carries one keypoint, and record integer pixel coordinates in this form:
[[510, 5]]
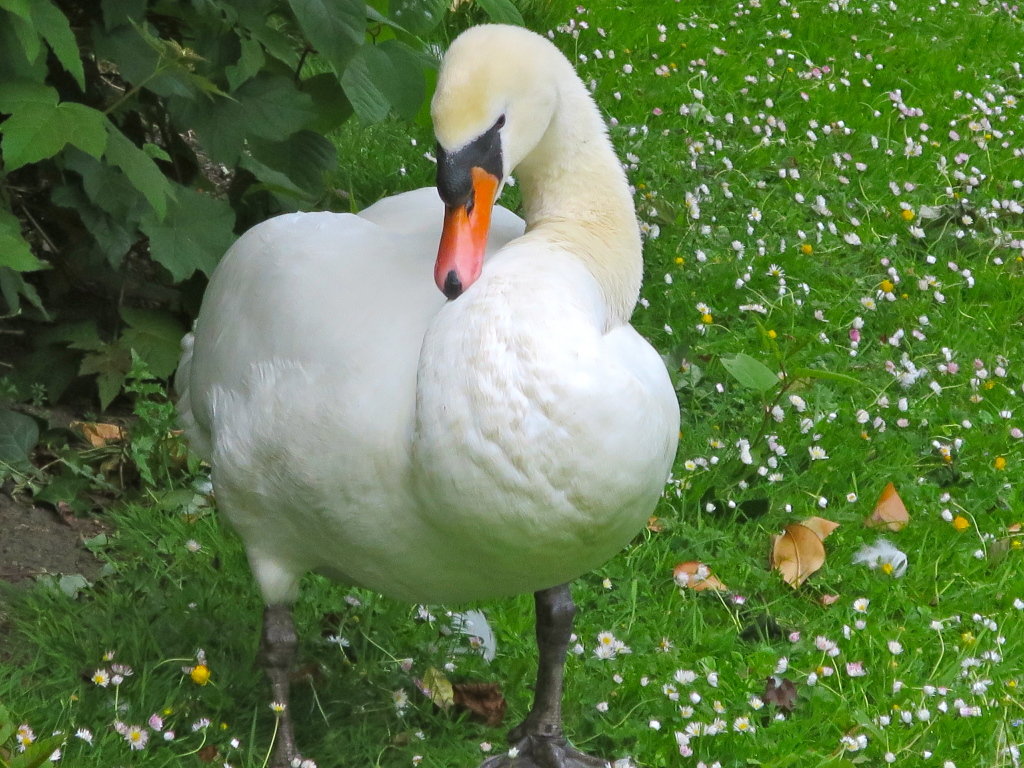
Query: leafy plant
[[142, 137]]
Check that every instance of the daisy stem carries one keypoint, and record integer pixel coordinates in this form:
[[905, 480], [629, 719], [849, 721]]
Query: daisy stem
[[273, 738]]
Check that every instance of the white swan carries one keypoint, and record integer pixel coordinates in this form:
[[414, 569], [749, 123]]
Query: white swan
[[505, 439]]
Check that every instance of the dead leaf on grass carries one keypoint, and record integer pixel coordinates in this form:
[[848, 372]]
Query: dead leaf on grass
[[820, 526], [437, 688], [99, 434], [207, 754], [654, 524], [781, 693], [482, 699], [827, 600], [889, 512], [696, 576], [797, 553]]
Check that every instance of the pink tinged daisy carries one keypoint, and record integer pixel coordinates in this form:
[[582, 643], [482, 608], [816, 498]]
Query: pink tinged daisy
[[856, 669]]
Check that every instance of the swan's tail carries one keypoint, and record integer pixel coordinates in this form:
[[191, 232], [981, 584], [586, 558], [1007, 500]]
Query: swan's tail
[[198, 437]]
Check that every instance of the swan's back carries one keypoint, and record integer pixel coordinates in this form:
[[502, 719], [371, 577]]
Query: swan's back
[[298, 382]]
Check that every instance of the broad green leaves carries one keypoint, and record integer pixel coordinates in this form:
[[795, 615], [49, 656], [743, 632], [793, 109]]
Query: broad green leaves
[[39, 130], [139, 167], [195, 113], [502, 11], [14, 251], [18, 435], [385, 77], [750, 373], [197, 230], [336, 28]]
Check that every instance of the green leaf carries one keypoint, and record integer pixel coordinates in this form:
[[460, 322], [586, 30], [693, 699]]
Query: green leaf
[[28, 36], [303, 157], [13, 286], [54, 27], [16, 63], [404, 84], [368, 101], [417, 16], [336, 28], [502, 12], [267, 106], [277, 44], [120, 12], [108, 187], [750, 373], [139, 167], [18, 436], [15, 253], [155, 337], [17, 93], [180, 244], [814, 373], [111, 365], [250, 62], [82, 335], [38, 131], [330, 104], [111, 237], [382, 77], [22, 8]]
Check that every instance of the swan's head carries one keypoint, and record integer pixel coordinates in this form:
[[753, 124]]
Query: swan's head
[[496, 94]]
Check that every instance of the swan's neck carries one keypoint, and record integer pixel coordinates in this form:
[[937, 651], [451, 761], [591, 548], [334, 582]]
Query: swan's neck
[[575, 195]]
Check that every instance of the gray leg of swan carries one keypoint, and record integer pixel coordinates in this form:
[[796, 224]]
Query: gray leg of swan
[[277, 655], [538, 741]]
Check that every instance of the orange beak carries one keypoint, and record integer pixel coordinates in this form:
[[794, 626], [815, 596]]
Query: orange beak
[[460, 257]]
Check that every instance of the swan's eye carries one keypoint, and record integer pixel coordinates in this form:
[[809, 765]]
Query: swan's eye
[[500, 122]]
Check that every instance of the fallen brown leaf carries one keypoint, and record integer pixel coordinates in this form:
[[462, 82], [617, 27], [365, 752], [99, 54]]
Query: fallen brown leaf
[[828, 600], [820, 526], [782, 693], [797, 553], [890, 511], [482, 699], [99, 434], [654, 524], [686, 575], [207, 754]]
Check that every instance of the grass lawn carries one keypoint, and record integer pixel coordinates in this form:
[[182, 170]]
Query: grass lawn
[[833, 190]]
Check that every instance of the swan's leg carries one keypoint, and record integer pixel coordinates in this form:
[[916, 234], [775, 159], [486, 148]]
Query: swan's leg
[[538, 742], [277, 654]]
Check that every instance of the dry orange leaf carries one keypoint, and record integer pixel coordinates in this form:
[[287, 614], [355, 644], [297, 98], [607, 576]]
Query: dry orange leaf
[[820, 526], [696, 576], [889, 511], [1015, 528], [828, 600], [797, 553], [99, 434], [482, 699], [654, 524]]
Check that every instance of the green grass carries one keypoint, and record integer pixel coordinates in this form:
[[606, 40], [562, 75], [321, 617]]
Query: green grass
[[162, 602]]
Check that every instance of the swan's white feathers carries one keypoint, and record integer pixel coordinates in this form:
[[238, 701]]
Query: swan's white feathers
[[360, 425]]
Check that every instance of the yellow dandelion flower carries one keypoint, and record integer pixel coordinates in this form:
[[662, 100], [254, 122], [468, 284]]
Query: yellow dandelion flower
[[887, 286], [999, 463], [806, 249], [772, 334], [961, 523], [707, 319], [680, 260], [200, 674], [887, 569]]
